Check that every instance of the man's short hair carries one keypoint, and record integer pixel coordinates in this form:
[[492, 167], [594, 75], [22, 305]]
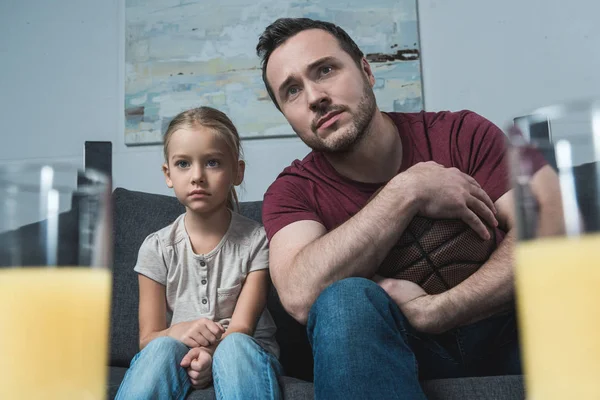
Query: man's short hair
[[284, 28]]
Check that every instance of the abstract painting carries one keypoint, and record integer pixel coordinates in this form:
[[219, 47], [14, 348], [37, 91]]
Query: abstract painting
[[188, 53]]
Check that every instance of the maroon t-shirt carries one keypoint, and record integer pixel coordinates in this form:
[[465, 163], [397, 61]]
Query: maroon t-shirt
[[312, 189]]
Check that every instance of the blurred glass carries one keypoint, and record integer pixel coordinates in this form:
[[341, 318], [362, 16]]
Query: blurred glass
[[558, 251], [55, 253]]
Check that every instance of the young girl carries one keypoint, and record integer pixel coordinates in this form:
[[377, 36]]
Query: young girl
[[209, 270]]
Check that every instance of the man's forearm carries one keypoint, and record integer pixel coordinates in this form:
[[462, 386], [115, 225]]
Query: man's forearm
[[355, 248], [483, 294]]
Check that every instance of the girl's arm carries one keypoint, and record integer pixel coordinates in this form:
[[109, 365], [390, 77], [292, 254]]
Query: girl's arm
[[153, 319], [250, 304], [152, 310]]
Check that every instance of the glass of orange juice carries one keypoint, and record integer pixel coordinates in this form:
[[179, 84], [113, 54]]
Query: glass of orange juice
[[558, 250], [55, 253]]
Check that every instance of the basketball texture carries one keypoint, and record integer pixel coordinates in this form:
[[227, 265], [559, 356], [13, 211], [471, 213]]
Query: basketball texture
[[437, 254]]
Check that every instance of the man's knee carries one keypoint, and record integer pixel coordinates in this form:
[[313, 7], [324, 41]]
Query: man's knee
[[349, 304], [350, 295]]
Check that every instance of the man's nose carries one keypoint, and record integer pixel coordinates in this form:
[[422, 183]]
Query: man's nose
[[317, 97]]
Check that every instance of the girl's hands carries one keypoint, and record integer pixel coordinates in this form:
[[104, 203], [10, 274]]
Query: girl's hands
[[201, 332], [198, 364]]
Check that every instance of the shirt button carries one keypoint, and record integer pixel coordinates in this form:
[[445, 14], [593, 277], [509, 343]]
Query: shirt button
[[204, 301], [202, 264], [203, 281]]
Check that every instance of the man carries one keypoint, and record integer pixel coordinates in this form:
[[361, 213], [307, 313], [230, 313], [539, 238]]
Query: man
[[326, 236]]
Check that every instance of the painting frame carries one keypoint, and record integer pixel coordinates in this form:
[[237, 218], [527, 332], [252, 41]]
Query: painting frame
[[180, 55]]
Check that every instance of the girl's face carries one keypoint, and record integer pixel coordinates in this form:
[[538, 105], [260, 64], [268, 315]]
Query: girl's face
[[201, 169]]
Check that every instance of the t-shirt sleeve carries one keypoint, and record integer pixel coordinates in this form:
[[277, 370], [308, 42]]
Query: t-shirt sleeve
[[286, 202], [259, 257], [483, 151], [150, 261]]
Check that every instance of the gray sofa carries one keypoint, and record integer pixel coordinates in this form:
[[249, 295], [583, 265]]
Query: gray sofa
[[137, 214]]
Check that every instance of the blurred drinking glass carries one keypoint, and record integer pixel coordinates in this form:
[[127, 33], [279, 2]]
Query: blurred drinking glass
[[558, 251], [55, 253]]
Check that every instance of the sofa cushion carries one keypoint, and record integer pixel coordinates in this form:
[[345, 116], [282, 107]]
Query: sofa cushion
[[136, 215], [488, 388], [509, 387]]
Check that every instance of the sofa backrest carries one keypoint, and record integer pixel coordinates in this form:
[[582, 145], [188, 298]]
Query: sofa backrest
[[136, 215]]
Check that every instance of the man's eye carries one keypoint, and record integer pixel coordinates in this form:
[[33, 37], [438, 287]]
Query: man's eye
[[293, 91], [182, 164], [213, 163], [326, 70]]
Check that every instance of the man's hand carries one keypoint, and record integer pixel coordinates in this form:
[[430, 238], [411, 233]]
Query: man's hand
[[201, 332], [420, 308], [198, 363], [449, 193]]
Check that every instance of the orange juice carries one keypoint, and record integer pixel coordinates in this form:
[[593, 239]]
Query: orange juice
[[558, 298], [54, 333]]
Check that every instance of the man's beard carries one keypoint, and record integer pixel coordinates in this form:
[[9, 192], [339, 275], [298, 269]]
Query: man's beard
[[346, 141]]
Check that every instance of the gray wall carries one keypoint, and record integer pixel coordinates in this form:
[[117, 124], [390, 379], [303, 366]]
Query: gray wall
[[61, 76], [503, 58]]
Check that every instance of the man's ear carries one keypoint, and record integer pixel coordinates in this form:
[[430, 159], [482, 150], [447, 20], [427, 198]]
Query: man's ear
[[167, 173], [366, 67], [240, 173]]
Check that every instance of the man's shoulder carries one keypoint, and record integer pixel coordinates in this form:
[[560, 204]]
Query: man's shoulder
[[431, 118], [442, 127], [301, 167], [298, 173]]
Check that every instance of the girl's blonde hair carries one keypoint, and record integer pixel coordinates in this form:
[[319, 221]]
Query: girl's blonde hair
[[222, 126]]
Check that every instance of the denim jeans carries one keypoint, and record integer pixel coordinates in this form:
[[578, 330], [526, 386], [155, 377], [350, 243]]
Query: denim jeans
[[242, 369], [364, 348]]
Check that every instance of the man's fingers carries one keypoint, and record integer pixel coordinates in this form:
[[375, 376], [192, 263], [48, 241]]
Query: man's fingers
[[482, 210], [471, 180], [483, 196], [471, 219]]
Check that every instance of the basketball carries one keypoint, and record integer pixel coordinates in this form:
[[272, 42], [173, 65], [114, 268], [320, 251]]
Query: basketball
[[437, 254]]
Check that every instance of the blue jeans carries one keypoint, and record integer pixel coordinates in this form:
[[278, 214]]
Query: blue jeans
[[242, 369], [364, 348]]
